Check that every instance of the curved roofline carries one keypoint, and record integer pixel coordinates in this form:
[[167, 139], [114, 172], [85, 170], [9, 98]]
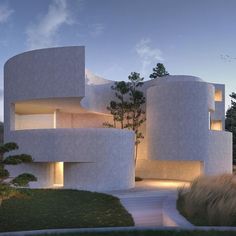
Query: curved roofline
[[184, 78], [167, 78], [39, 49]]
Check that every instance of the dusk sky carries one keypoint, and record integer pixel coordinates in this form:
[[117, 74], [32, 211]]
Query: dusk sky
[[191, 37]]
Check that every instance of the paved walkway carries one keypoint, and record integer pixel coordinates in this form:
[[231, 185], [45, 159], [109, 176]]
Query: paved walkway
[[153, 203]]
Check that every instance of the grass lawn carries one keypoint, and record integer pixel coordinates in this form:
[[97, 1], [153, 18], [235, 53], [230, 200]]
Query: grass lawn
[[46, 209], [153, 233]]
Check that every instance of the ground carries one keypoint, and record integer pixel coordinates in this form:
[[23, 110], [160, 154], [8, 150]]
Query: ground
[[46, 209], [153, 233], [153, 203]]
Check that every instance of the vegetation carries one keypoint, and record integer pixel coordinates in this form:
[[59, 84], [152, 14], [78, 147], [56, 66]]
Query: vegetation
[[230, 122], [127, 110], [6, 186], [46, 209], [152, 233], [119, 108], [158, 71], [210, 201]]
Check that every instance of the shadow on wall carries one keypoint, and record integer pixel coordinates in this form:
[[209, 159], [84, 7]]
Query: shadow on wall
[[1, 131]]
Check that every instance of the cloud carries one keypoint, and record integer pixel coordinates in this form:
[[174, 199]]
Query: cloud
[[44, 32], [5, 13], [147, 54], [96, 29]]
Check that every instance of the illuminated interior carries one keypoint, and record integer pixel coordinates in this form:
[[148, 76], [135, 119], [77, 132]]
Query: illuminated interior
[[216, 125], [218, 96], [58, 174], [168, 184], [34, 121]]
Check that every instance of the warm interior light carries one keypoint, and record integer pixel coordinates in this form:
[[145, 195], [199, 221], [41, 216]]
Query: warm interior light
[[216, 125], [58, 174], [33, 121], [164, 183], [218, 96]]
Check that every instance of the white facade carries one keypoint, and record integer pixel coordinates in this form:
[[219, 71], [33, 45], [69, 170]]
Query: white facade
[[55, 112]]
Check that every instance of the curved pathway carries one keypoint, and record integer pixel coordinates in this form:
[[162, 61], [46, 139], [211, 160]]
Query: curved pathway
[[153, 203]]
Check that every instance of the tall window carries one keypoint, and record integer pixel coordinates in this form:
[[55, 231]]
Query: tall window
[[58, 174], [218, 96]]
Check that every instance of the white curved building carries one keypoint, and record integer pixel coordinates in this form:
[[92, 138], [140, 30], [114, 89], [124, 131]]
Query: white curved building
[[55, 111]]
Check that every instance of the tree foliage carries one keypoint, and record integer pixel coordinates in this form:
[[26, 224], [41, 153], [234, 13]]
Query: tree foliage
[[158, 71], [230, 122], [119, 107], [136, 114], [6, 186], [127, 109]]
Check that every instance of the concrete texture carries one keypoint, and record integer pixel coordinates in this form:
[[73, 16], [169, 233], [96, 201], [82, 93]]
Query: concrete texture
[[178, 170], [94, 159], [46, 73], [153, 203], [183, 122], [57, 110], [219, 145], [48, 86], [178, 141]]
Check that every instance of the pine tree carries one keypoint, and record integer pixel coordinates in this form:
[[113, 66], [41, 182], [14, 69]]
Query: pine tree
[[118, 108], [127, 110], [159, 71]]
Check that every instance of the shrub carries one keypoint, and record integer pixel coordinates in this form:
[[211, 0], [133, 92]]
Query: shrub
[[209, 201], [7, 189]]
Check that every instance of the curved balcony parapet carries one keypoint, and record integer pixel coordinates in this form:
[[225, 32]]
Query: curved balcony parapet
[[75, 145]]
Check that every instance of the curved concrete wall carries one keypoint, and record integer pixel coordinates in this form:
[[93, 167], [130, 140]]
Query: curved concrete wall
[[102, 175], [45, 73], [75, 145], [42, 74], [94, 159], [178, 120]]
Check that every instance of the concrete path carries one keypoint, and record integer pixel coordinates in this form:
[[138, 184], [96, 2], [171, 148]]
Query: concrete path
[[153, 203]]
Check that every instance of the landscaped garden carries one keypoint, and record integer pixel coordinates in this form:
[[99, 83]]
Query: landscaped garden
[[210, 201], [47, 209]]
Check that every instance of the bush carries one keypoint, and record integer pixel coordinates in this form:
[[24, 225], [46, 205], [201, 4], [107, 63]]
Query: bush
[[6, 192], [209, 201]]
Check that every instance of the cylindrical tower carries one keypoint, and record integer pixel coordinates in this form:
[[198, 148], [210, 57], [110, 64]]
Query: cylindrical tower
[[178, 118]]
